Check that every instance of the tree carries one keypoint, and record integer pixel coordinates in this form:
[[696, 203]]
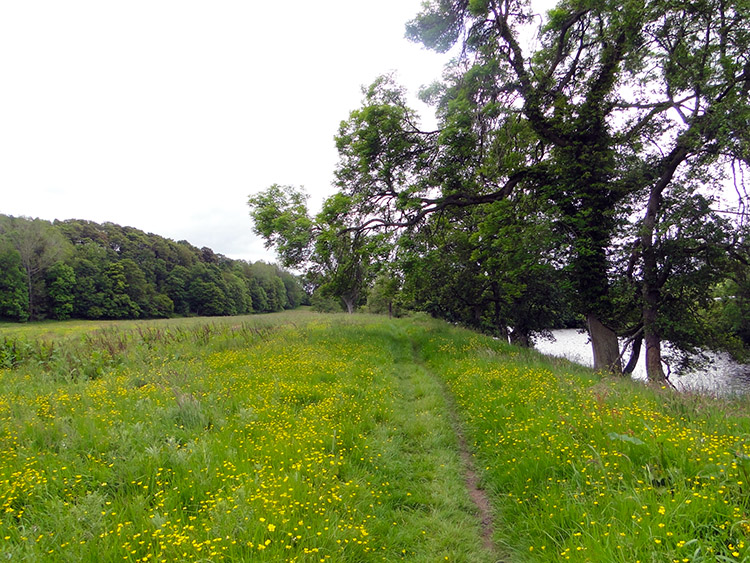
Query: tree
[[294, 291], [683, 257], [176, 286], [116, 302], [336, 257], [206, 291], [14, 296], [384, 294], [617, 101], [61, 280], [273, 297], [39, 246], [238, 294], [341, 257]]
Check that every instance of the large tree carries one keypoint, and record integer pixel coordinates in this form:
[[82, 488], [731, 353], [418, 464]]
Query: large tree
[[336, 257], [39, 246], [616, 101], [14, 296]]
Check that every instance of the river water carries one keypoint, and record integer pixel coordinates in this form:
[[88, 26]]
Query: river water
[[722, 376]]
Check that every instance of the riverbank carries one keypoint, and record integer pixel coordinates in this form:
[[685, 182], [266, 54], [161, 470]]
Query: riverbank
[[721, 376]]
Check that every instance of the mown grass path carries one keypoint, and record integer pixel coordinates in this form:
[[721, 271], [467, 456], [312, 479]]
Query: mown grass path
[[430, 459], [472, 480]]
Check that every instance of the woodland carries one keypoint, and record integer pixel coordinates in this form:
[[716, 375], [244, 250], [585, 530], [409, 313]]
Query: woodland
[[81, 269], [588, 169]]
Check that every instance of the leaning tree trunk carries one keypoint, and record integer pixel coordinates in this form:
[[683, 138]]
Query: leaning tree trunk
[[635, 353], [605, 346]]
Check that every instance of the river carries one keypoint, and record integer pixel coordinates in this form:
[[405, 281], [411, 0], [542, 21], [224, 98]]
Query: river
[[723, 376]]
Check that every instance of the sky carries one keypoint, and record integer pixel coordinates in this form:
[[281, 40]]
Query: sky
[[165, 115]]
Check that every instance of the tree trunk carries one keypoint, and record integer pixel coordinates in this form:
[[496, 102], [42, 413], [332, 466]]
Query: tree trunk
[[654, 369], [605, 346], [520, 338], [651, 298], [349, 302], [634, 355], [652, 283], [477, 312]]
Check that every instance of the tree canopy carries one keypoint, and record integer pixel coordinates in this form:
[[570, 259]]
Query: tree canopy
[[575, 175], [615, 111], [87, 270]]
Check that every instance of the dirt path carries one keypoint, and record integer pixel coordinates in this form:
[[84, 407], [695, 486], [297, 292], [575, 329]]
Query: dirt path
[[478, 496]]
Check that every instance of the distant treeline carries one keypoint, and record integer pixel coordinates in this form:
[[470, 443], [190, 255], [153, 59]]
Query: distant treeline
[[81, 269]]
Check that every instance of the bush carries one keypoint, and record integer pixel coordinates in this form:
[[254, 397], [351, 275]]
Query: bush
[[325, 304]]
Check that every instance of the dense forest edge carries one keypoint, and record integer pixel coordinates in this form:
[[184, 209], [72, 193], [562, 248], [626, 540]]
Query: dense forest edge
[[85, 270]]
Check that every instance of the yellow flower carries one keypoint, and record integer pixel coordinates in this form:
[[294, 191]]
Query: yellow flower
[[271, 527]]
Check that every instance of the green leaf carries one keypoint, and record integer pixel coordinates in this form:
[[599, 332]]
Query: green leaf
[[626, 438]]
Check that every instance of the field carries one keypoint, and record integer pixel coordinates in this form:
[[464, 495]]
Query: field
[[304, 437]]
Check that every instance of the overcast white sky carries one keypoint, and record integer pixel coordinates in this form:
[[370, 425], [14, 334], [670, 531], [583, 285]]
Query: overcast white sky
[[165, 115]]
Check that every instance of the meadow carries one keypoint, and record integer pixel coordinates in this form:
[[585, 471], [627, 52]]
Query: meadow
[[308, 437]]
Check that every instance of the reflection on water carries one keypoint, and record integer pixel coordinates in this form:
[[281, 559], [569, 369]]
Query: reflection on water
[[723, 376]]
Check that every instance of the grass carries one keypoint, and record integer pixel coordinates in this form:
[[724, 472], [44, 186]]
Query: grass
[[298, 442], [304, 437], [585, 468]]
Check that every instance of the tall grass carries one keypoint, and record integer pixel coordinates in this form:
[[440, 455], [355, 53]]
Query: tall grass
[[329, 438], [583, 467], [232, 441]]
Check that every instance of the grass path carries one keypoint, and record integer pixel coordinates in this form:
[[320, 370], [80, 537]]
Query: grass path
[[478, 494], [428, 458]]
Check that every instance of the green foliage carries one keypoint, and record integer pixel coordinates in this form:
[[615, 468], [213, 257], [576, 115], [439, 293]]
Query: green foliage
[[337, 259], [280, 216], [325, 303], [383, 297], [14, 294], [489, 268], [594, 129], [116, 302], [692, 242], [61, 281], [176, 286], [113, 272], [205, 291], [272, 290], [39, 247]]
